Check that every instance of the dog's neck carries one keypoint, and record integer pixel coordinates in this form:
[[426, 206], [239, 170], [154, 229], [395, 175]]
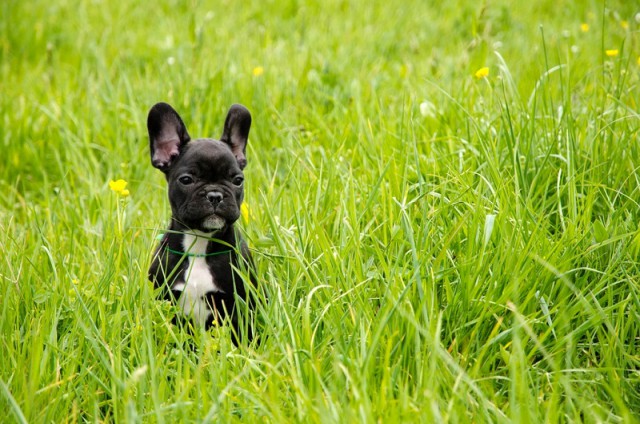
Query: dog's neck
[[195, 243], [199, 243]]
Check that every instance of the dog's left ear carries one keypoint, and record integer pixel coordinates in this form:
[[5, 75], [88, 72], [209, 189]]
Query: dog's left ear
[[236, 132]]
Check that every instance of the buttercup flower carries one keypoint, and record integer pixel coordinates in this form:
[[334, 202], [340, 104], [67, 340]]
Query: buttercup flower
[[257, 71], [584, 27], [624, 24], [482, 72], [119, 187], [612, 52], [244, 211]]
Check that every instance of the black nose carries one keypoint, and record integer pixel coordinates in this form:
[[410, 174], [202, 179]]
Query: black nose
[[214, 197]]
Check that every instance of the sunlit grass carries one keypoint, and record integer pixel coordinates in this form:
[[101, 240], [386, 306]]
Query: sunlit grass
[[442, 202]]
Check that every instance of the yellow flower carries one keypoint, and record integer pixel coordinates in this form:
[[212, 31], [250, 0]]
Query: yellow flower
[[257, 71], [482, 73], [119, 187], [624, 24], [612, 52], [638, 61], [584, 27], [244, 211]]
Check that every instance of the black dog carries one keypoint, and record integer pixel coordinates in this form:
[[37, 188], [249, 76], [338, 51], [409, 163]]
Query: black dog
[[198, 258]]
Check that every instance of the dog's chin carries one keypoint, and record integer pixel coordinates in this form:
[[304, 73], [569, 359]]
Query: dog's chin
[[213, 223]]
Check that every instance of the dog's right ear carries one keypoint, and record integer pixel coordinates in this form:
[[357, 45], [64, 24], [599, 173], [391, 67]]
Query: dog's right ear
[[167, 135]]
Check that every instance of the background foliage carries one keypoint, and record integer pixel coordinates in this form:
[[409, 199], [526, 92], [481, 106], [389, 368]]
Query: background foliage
[[435, 246]]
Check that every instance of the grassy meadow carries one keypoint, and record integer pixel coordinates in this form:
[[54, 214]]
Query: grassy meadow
[[443, 196]]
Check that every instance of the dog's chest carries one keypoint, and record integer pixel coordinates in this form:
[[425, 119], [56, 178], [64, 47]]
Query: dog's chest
[[198, 280]]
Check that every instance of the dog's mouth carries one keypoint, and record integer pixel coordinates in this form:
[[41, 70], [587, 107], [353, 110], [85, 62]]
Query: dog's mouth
[[213, 222]]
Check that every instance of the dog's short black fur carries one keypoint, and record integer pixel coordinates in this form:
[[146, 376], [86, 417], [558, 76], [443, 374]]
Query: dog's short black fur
[[197, 259]]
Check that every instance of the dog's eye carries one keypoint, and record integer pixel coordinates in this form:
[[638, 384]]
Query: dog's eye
[[238, 180], [185, 180]]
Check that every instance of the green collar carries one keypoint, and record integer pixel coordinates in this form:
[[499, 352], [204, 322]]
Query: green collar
[[196, 255], [189, 254]]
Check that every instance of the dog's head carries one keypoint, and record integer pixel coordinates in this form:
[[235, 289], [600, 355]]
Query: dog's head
[[204, 175]]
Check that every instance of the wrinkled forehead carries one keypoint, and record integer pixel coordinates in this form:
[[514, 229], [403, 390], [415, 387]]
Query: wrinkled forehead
[[207, 155]]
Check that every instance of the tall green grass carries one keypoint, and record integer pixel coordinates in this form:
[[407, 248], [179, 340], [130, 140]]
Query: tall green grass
[[433, 246]]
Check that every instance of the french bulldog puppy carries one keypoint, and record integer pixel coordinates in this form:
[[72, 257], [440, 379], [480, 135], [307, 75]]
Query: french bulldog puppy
[[198, 257]]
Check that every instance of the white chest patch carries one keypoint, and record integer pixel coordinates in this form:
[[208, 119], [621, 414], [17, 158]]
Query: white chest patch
[[198, 280]]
